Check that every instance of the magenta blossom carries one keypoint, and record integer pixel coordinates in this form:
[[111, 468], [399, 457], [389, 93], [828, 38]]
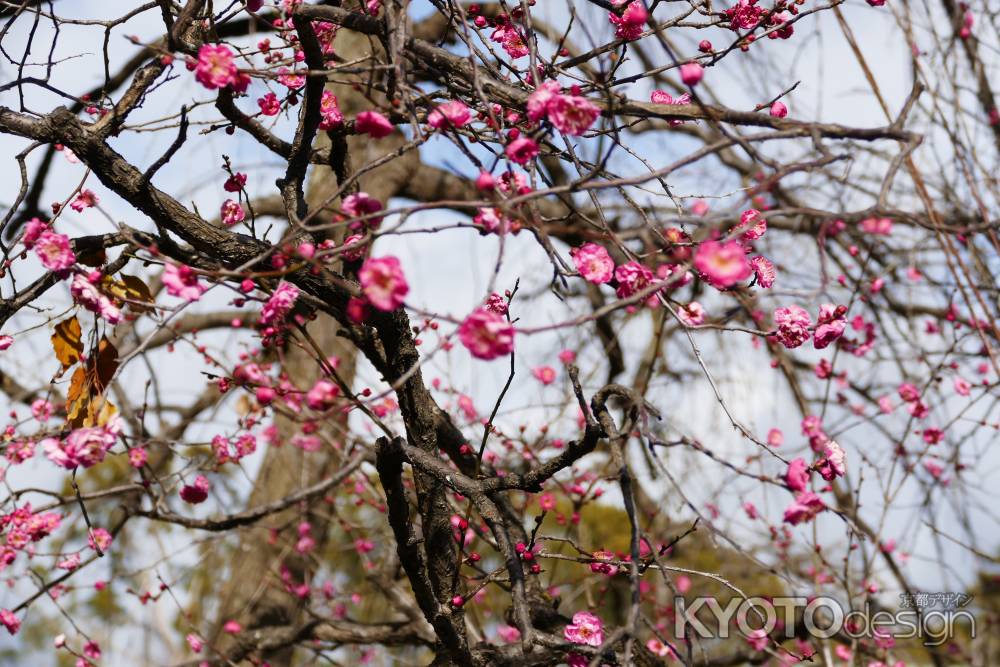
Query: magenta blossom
[[216, 68], [373, 124], [522, 150], [692, 73], [629, 25], [797, 475], [360, 204], [197, 492], [829, 325], [806, 506]]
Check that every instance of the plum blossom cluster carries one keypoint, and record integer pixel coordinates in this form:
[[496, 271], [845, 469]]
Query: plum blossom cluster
[[794, 325], [571, 114]]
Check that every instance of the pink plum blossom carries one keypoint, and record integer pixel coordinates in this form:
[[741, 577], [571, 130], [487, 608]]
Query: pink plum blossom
[[586, 628], [486, 334], [373, 124], [383, 282], [593, 262], [722, 264]]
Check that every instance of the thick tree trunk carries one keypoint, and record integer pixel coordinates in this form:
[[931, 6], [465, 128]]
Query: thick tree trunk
[[254, 595]]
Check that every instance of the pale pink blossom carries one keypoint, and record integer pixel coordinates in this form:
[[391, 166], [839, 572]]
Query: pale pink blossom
[[544, 374], [752, 226], [539, 100], [514, 44], [722, 264], [692, 314], [763, 271], [41, 409], [656, 647], [663, 97], [674, 276], [491, 220], [632, 278], [329, 109], [793, 324], [83, 447], [194, 641], [99, 538], [54, 250], [290, 79], [232, 213], [962, 386], [877, 226], [834, 464], [775, 438], [933, 467], [586, 628], [383, 282], [182, 281], [572, 114], [450, 114], [90, 297], [322, 395], [137, 457], [758, 639], [486, 334], [509, 634], [593, 262], [279, 304]]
